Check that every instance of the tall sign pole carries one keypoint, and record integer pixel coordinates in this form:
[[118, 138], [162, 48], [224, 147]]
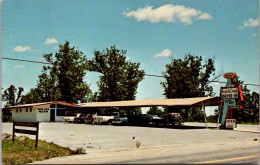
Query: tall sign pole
[[229, 94]]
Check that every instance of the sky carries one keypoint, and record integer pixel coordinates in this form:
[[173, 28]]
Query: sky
[[153, 32]]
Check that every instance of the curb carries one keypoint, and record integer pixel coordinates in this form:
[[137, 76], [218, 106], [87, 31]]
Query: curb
[[247, 131], [130, 149]]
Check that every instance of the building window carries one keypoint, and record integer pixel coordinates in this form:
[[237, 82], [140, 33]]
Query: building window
[[30, 109], [16, 110], [20, 110], [60, 112], [26, 109]]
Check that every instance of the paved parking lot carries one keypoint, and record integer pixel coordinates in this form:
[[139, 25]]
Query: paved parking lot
[[107, 144], [106, 137]]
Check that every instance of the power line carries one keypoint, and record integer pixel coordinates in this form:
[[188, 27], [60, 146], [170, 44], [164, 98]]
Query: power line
[[151, 75], [25, 60], [35, 19], [241, 84]]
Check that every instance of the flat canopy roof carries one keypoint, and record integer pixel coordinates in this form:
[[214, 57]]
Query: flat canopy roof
[[198, 101]]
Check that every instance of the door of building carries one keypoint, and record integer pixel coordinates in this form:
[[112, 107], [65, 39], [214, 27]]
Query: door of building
[[52, 115]]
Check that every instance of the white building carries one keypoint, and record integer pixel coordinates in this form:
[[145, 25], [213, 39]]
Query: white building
[[42, 112]]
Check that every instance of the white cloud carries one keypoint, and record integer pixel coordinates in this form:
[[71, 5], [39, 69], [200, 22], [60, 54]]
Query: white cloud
[[20, 49], [165, 53], [18, 67], [50, 41], [168, 13], [205, 16], [250, 23]]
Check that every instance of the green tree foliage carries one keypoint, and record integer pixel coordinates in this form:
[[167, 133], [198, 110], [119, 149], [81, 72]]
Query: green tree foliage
[[196, 114], [120, 77], [155, 111], [11, 96], [214, 118], [33, 96], [63, 79], [250, 111], [188, 77]]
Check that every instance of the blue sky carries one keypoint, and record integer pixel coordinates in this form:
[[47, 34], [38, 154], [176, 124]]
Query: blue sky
[[151, 31]]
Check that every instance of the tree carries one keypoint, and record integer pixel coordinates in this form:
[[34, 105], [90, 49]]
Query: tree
[[214, 118], [11, 97], [155, 111], [33, 96], [120, 77], [188, 78], [250, 110], [63, 78], [67, 71], [196, 114]]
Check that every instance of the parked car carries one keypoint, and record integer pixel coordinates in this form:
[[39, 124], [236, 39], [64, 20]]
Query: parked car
[[174, 119], [141, 120], [154, 119], [71, 119], [101, 119], [88, 119], [119, 120], [80, 118]]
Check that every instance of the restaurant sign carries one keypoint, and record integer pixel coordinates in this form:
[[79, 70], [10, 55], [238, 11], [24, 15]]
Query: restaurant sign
[[229, 93], [43, 110], [229, 75]]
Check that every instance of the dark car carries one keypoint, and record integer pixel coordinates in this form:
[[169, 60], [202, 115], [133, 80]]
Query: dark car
[[88, 118], [174, 119], [154, 119], [119, 120], [140, 120], [80, 119]]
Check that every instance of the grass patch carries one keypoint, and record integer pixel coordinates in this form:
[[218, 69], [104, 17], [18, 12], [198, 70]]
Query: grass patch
[[22, 151], [137, 144]]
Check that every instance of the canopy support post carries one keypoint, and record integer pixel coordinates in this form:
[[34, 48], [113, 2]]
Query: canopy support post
[[203, 107]]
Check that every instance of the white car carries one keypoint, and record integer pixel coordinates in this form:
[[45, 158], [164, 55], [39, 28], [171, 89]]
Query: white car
[[71, 119], [104, 119]]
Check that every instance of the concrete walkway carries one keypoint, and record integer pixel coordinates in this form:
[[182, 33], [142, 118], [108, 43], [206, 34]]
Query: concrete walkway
[[240, 127]]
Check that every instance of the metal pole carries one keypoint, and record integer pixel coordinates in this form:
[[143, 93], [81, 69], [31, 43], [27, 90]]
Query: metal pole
[[37, 134], [219, 112], [203, 107], [14, 123]]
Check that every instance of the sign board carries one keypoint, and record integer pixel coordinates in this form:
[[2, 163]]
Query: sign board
[[231, 123], [229, 93], [229, 75], [26, 131], [235, 107], [43, 110]]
